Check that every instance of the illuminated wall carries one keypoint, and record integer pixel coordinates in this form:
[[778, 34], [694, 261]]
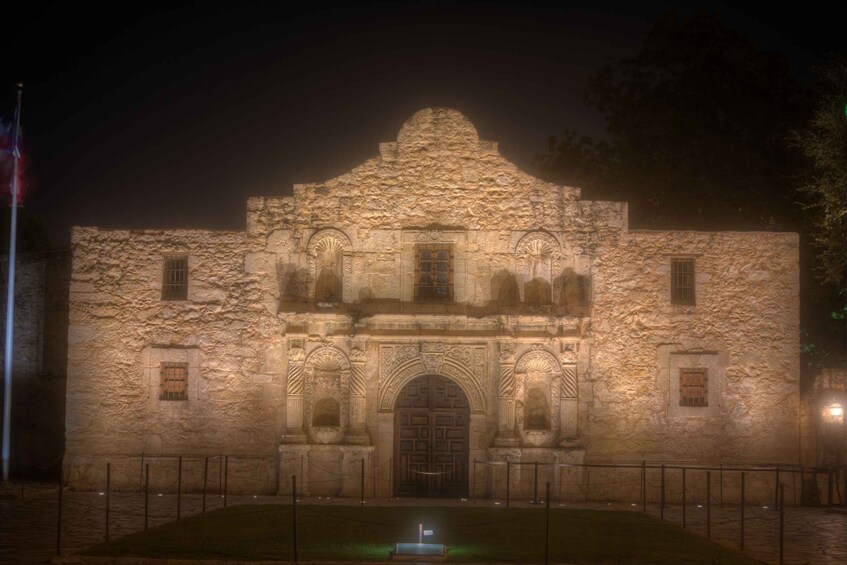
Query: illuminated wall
[[558, 324]]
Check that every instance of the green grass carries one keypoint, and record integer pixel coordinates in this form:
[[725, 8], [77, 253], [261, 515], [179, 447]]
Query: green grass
[[348, 533]]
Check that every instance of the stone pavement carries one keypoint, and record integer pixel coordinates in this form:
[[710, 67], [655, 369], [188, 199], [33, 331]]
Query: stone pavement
[[28, 525]]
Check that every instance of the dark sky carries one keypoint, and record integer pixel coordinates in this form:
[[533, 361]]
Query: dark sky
[[147, 115]]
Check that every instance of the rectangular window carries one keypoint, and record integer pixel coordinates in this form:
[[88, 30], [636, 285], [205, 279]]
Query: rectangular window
[[173, 383], [682, 281], [693, 387], [175, 278], [434, 272]]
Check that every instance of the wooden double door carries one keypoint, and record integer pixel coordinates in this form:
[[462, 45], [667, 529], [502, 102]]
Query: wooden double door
[[431, 420]]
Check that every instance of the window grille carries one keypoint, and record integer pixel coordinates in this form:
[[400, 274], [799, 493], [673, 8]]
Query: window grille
[[175, 278], [173, 382], [693, 387], [434, 273], [682, 281]]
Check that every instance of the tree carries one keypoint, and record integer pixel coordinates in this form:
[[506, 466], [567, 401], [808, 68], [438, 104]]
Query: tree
[[824, 179], [696, 125]]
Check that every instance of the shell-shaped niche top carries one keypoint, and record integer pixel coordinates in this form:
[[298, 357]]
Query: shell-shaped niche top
[[434, 128]]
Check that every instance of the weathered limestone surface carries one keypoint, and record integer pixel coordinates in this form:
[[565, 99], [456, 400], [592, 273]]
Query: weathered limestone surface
[[118, 318], [302, 332], [746, 312]]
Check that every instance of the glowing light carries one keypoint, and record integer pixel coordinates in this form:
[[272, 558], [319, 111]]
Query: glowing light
[[836, 410]]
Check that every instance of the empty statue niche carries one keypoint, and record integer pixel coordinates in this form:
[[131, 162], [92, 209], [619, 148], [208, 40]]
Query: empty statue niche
[[537, 256], [326, 413], [536, 409], [329, 280]]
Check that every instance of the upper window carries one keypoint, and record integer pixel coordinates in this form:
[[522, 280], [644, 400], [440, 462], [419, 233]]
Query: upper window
[[682, 281], [434, 272], [173, 381], [693, 387], [175, 278]]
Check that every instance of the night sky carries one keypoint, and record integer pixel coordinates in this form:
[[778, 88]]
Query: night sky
[[152, 115]]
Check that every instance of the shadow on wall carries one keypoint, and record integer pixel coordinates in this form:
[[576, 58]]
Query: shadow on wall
[[573, 292], [293, 286], [569, 295]]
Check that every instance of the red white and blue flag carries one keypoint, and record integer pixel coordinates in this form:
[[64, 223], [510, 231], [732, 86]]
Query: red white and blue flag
[[9, 149]]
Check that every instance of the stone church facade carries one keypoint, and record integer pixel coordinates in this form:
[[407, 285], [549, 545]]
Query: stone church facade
[[433, 307]]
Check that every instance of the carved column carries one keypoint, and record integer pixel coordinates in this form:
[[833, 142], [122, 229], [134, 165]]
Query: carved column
[[506, 401], [294, 397], [357, 434], [568, 392]]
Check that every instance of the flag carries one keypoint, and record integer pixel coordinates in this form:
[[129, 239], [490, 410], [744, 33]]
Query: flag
[[7, 160]]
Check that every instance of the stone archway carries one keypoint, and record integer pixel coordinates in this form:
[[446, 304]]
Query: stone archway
[[431, 439]]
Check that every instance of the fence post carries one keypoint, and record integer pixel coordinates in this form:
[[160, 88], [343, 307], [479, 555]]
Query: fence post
[[59, 513], [776, 490], [561, 468], [146, 493], [205, 480], [508, 480], [108, 488], [141, 470], [535, 485], [294, 513], [221, 474], [802, 485], [362, 489], [547, 524], [390, 477], [708, 505], [683, 498], [743, 503], [226, 477], [829, 487], [781, 521], [179, 488], [643, 485], [473, 483]]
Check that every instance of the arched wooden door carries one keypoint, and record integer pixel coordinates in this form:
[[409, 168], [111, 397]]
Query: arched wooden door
[[431, 419]]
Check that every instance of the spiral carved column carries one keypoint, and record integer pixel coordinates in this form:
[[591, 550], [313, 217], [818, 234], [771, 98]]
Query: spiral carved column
[[357, 433], [506, 401], [294, 398]]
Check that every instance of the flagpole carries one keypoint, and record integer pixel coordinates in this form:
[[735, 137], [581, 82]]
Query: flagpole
[[10, 294]]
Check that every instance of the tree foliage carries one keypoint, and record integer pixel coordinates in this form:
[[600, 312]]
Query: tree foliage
[[824, 179], [696, 126]]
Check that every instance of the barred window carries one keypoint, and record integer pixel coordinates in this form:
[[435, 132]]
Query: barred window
[[175, 278], [693, 387], [682, 281], [173, 381], [434, 273]]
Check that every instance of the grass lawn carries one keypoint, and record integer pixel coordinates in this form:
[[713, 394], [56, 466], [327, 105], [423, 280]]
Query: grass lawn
[[349, 533]]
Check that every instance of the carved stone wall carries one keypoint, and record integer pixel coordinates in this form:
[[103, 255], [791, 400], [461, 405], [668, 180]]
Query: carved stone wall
[[401, 363], [560, 330]]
